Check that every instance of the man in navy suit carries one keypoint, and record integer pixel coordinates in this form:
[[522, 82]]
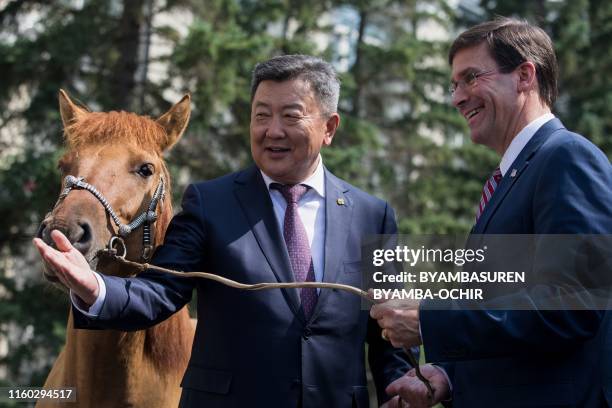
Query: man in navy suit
[[286, 218], [549, 181]]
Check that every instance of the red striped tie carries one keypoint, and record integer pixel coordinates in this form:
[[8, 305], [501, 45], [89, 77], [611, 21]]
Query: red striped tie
[[488, 190]]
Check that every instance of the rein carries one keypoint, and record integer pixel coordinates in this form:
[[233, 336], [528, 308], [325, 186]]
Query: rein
[[111, 253], [146, 218]]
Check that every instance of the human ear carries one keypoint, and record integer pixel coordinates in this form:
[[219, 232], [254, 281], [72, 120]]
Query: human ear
[[527, 79], [331, 125]]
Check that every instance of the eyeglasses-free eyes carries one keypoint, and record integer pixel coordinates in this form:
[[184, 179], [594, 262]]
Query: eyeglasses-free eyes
[[468, 81]]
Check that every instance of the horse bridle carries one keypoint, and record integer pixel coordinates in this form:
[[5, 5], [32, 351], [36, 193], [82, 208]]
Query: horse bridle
[[146, 218]]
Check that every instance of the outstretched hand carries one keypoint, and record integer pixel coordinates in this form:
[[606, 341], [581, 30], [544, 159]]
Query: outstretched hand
[[70, 267]]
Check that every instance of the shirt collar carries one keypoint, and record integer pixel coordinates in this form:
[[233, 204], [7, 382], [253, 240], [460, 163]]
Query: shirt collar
[[521, 140], [316, 181]]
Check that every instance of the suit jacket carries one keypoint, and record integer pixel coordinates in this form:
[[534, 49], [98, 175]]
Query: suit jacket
[[257, 348], [503, 358]]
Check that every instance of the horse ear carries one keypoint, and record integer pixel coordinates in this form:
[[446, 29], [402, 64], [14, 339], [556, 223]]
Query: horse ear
[[69, 111], [175, 121]]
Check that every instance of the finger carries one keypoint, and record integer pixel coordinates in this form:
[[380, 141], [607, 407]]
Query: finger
[[43, 248], [56, 259], [414, 392], [53, 263], [394, 387], [62, 243], [394, 338], [419, 393], [70, 275], [378, 311], [38, 242], [375, 312], [40, 245]]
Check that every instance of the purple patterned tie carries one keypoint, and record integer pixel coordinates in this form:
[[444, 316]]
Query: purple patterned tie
[[297, 244]]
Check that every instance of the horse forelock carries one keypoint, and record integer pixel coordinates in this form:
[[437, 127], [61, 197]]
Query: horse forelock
[[115, 127]]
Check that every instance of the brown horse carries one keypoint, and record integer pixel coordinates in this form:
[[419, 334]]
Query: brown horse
[[120, 154]]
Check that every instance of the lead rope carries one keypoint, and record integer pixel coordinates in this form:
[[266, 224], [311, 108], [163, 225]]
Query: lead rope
[[141, 267]]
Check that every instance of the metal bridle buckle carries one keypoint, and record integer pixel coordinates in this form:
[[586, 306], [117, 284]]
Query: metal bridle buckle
[[113, 245]]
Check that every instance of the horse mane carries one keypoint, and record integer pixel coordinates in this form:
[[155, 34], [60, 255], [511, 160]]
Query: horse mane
[[113, 126]]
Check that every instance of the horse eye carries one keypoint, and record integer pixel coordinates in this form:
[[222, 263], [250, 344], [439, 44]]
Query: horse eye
[[146, 170]]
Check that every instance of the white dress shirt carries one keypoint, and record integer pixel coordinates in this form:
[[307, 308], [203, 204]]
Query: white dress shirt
[[520, 141], [311, 209]]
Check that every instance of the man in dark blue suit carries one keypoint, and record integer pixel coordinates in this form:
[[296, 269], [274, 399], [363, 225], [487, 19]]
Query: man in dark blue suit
[[549, 181], [285, 219]]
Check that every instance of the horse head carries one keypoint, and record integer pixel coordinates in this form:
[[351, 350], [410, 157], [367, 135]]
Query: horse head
[[114, 179]]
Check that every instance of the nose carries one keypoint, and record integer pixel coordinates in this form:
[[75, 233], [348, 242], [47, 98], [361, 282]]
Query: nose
[[459, 97], [275, 128], [79, 233]]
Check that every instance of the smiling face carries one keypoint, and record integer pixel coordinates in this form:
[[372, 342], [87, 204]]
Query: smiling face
[[288, 130], [492, 106]]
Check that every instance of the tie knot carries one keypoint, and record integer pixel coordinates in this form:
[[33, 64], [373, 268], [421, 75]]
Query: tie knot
[[497, 175], [291, 193]]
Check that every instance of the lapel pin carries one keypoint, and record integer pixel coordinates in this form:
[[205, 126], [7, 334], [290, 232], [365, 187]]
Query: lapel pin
[[340, 201], [513, 174]]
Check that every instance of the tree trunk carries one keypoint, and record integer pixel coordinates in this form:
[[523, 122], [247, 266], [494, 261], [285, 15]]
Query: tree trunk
[[123, 77], [357, 73]]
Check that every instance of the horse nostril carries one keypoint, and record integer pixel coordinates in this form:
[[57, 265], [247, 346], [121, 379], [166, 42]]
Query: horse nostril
[[82, 239], [39, 231], [86, 237], [44, 233]]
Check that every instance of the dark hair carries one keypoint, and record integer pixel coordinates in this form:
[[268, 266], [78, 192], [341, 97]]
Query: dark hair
[[512, 42], [318, 73]]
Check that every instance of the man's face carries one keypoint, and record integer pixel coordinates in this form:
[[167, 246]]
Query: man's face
[[288, 130], [490, 105]]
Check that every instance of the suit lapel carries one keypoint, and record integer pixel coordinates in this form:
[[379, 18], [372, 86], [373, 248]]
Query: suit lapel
[[518, 167], [338, 213], [254, 198]]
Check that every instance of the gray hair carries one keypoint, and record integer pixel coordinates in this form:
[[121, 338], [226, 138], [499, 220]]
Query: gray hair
[[319, 74]]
